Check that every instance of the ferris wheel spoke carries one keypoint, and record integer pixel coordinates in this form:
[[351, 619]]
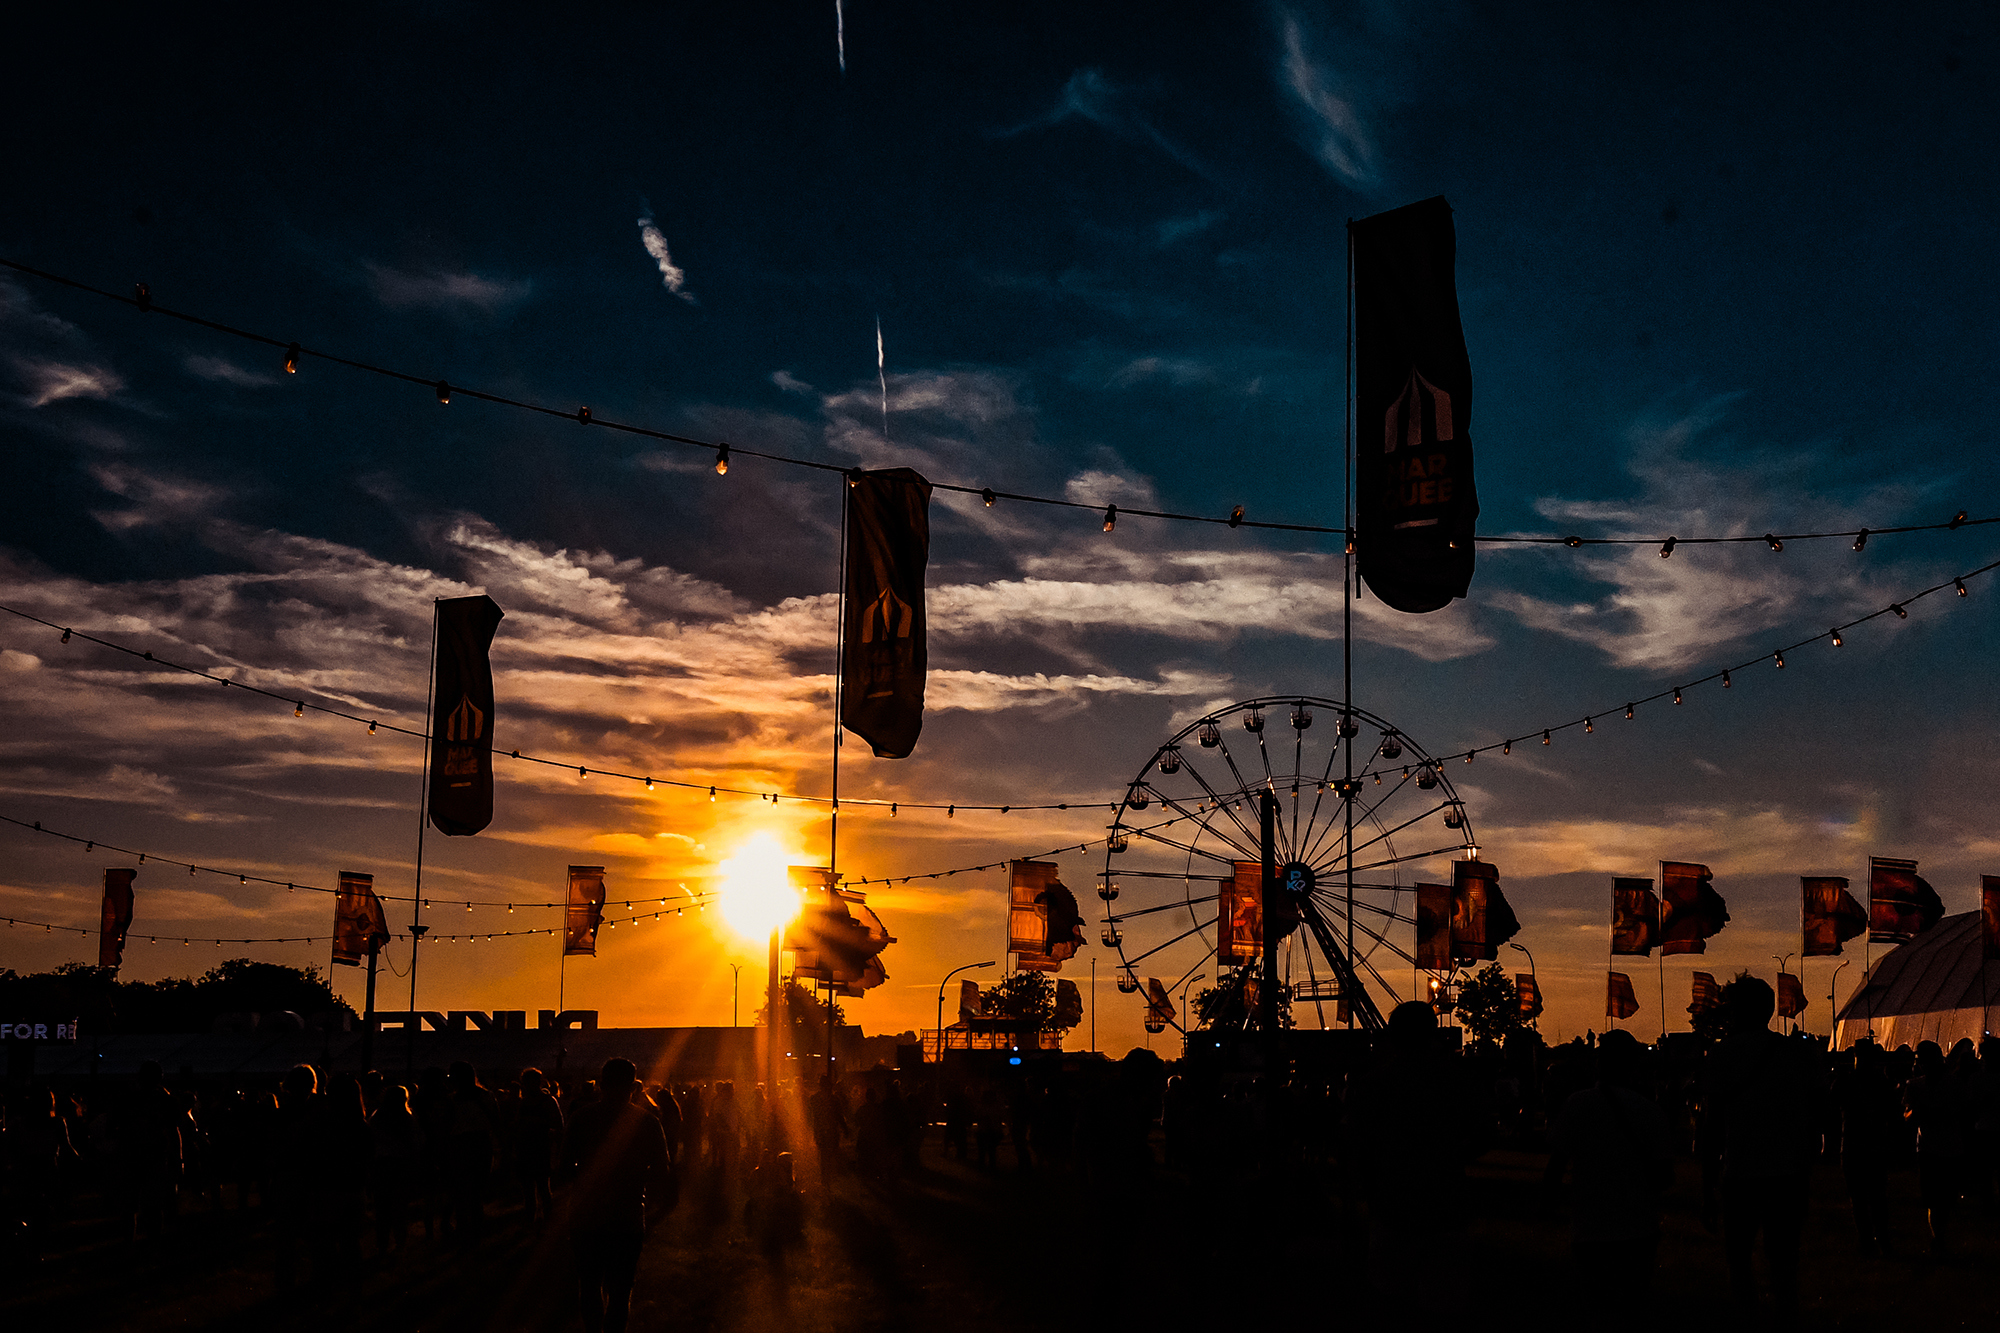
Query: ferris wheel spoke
[[1251, 835], [1191, 967], [1378, 937], [1192, 850], [1242, 783], [1360, 1007], [1338, 903], [1362, 816], [1413, 856], [1123, 917], [1134, 962], [1152, 874], [1385, 834]]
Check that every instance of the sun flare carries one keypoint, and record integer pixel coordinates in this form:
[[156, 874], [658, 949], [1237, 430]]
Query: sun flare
[[757, 896]]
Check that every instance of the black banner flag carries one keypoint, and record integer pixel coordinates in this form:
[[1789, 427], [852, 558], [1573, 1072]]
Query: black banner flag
[[1635, 917], [115, 918], [1828, 915], [1481, 919], [1791, 996], [585, 911], [1434, 927], [883, 658], [461, 795], [359, 927], [1415, 503], [1901, 903], [1619, 999]]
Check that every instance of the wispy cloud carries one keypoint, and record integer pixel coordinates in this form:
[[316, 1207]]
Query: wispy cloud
[[452, 292], [54, 381], [672, 276], [222, 371], [1091, 96], [1339, 138]]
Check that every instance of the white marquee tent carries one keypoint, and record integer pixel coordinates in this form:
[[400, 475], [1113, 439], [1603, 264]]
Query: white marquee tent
[[1939, 987]]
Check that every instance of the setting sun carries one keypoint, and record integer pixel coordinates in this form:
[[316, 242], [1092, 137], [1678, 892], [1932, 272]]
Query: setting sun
[[756, 894]]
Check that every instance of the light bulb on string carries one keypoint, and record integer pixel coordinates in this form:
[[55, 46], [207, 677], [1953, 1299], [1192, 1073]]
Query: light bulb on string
[[1628, 712], [1677, 694], [1897, 607], [1589, 726], [1725, 680], [65, 637], [986, 494], [711, 796], [1667, 547], [1236, 517], [299, 709], [1861, 539], [1545, 737], [721, 460], [1110, 517], [1775, 543], [443, 392], [583, 416], [1960, 585], [1834, 634], [1781, 660], [1506, 747], [292, 359], [1957, 521], [371, 728], [649, 784]]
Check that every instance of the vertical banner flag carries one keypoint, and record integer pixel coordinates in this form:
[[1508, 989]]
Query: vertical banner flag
[[1530, 995], [1791, 996], [115, 918], [1481, 920], [1415, 504], [1159, 1006], [1619, 999], [1707, 995], [1989, 911], [970, 1005], [359, 927], [461, 794], [1828, 915], [1901, 903], [1690, 908], [1434, 927], [882, 654], [1239, 916], [1044, 924], [1635, 917], [585, 911]]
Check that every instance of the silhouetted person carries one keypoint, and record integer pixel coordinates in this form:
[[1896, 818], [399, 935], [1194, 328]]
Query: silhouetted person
[[619, 1159], [1941, 1107], [38, 1153], [776, 1213], [152, 1151], [537, 1130], [471, 1140], [725, 1127], [1986, 1122], [1412, 1112], [827, 1111], [348, 1156], [297, 1179], [1870, 1115], [396, 1152], [1764, 1113], [1613, 1140]]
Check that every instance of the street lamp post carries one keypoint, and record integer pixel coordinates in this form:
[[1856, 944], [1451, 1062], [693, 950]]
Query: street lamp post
[[1782, 962], [969, 967], [735, 984], [1184, 1001], [1531, 973], [1833, 984]]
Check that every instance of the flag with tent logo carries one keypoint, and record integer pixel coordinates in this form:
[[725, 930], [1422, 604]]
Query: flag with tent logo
[[1828, 915], [114, 917], [1690, 908], [584, 911], [1415, 502], [1901, 903], [1706, 994], [1529, 993], [460, 798], [359, 928], [1791, 996], [1481, 918]]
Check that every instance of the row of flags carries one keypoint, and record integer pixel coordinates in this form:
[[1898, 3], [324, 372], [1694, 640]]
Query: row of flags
[[836, 939], [1465, 921], [1621, 1001], [1679, 919]]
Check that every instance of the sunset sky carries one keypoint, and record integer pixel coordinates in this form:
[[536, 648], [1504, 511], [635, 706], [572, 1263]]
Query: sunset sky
[[1723, 269]]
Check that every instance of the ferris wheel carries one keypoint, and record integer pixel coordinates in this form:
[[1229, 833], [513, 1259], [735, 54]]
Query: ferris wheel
[[1348, 853]]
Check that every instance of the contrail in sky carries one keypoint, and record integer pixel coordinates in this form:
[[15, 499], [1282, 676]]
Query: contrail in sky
[[882, 373], [671, 273], [840, 33]]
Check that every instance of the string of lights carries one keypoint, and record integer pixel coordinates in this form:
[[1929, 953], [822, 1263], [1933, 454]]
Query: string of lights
[[53, 927], [301, 706], [1001, 865], [296, 353]]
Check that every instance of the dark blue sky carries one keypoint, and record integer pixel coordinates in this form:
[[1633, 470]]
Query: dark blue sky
[[1722, 268]]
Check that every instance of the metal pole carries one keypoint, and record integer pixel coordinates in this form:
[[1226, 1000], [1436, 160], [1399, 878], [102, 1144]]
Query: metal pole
[[417, 926], [771, 1024], [1347, 588], [1267, 998], [1093, 1007], [368, 1015]]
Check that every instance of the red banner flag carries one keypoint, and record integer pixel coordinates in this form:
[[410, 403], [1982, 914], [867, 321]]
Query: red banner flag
[[1989, 911], [1690, 908], [1481, 920], [1159, 1006], [1635, 917], [1707, 995], [1901, 903], [115, 917], [1619, 999], [1239, 916], [359, 928], [1529, 994], [1044, 924], [1434, 927], [1791, 996], [585, 912], [1828, 915], [970, 1004]]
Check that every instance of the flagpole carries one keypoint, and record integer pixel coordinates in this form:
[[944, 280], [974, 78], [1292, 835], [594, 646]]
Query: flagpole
[[839, 684], [423, 818], [1346, 625]]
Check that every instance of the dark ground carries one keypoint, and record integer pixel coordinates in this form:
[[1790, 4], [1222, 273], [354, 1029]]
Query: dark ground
[[956, 1249]]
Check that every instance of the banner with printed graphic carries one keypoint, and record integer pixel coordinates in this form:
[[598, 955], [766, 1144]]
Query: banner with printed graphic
[[1434, 927], [1044, 924], [1239, 916], [1828, 915], [1791, 996], [1705, 995], [1635, 918], [883, 656], [359, 928], [1415, 502], [461, 791], [1619, 999], [1901, 903], [1690, 908], [585, 910], [1529, 993], [115, 917], [1481, 918]]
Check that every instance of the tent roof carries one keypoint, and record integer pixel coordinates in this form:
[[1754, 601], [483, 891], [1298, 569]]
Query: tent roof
[[1942, 971]]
